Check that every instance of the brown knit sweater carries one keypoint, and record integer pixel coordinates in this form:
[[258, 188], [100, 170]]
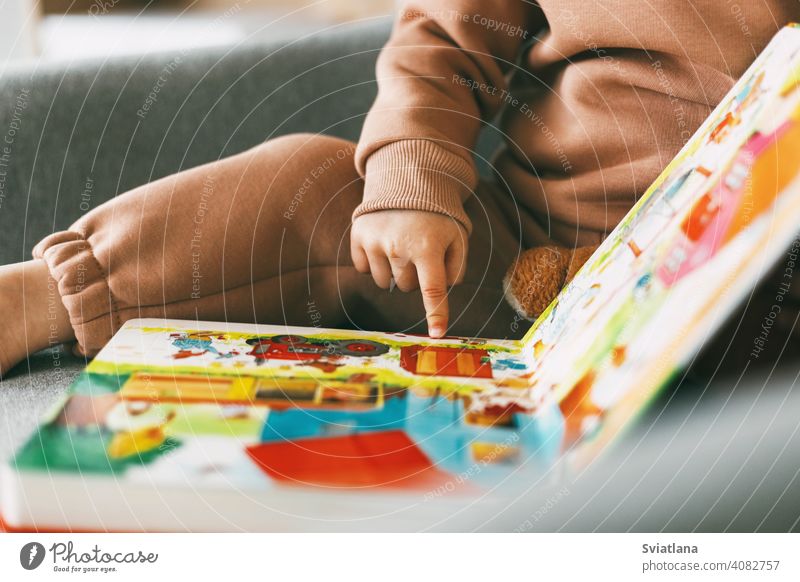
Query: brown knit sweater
[[595, 98]]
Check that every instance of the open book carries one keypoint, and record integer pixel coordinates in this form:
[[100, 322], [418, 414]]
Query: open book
[[217, 426]]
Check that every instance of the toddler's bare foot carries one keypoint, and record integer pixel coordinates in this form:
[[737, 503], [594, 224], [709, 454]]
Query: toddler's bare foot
[[32, 316]]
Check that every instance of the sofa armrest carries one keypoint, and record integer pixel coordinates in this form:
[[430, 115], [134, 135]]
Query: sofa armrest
[[74, 135]]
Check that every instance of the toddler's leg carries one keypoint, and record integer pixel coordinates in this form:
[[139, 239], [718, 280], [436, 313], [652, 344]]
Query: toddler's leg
[[262, 236], [239, 240]]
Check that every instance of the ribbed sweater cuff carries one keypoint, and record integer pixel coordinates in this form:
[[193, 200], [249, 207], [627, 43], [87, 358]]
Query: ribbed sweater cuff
[[417, 174]]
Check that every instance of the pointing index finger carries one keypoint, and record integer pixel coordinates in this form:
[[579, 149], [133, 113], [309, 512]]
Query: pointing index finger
[[433, 284]]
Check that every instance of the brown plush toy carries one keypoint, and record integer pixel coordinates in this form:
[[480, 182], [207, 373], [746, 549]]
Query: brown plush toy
[[536, 277]]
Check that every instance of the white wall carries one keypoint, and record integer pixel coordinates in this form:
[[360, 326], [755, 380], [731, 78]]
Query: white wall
[[18, 21]]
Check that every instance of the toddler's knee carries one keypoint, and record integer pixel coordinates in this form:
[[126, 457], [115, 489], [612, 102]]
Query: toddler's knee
[[307, 173], [308, 147]]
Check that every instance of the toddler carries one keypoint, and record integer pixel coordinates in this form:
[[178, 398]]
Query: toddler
[[398, 232]]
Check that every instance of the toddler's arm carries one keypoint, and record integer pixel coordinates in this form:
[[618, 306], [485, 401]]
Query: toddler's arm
[[442, 72]]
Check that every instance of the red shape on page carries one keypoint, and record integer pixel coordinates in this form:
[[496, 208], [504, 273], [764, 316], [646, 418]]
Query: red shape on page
[[388, 459]]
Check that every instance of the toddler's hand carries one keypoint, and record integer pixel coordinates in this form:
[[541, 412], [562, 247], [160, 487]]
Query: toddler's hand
[[418, 249]]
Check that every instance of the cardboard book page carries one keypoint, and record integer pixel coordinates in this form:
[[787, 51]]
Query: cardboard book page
[[202, 403], [714, 222]]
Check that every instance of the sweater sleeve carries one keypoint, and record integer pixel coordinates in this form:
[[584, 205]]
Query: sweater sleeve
[[442, 72]]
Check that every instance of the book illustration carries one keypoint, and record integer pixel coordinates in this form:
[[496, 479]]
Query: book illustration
[[161, 387]]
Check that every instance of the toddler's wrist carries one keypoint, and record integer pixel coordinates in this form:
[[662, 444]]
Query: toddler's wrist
[[417, 175]]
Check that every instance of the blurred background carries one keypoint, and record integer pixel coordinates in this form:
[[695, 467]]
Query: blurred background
[[73, 29]]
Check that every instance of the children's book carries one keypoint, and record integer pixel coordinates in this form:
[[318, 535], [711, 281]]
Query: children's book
[[198, 425]]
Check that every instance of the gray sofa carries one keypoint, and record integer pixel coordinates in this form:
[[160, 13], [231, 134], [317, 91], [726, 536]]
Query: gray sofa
[[92, 130], [83, 133]]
